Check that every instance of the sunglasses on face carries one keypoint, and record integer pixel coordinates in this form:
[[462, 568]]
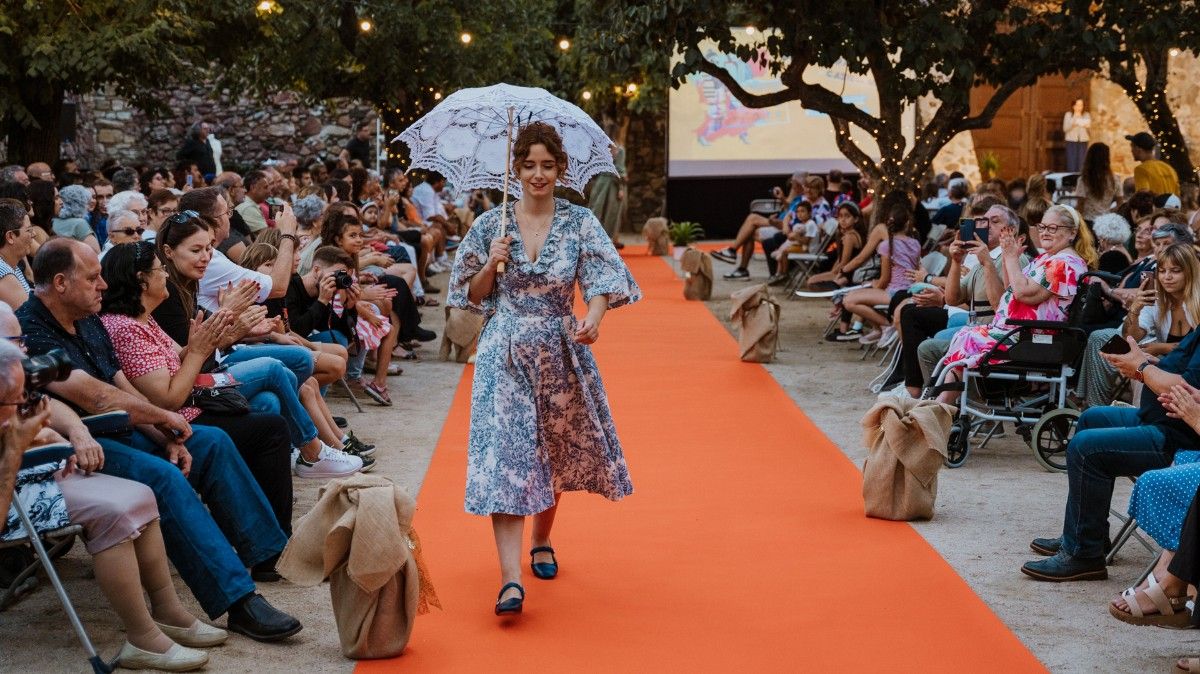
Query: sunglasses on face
[[130, 231]]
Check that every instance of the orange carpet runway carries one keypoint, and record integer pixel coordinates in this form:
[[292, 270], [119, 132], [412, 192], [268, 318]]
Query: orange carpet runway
[[744, 547]]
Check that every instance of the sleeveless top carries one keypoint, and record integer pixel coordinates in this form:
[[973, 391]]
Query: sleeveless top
[[8, 270]]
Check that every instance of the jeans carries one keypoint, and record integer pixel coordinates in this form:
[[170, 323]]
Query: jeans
[[295, 358], [1108, 443], [262, 376], [330, 337], [197, 538]]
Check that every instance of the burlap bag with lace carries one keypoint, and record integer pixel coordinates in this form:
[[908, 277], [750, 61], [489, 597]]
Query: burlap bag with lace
[[655, 231], [698, 274], [757, 318]]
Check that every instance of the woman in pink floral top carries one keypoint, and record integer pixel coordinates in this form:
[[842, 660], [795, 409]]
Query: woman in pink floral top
[[1042, 291]]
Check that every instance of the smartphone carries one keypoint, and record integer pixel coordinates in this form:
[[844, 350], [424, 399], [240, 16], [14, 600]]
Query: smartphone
[[982, 233], [275, 206], [1149, 276], [188, 180], [1115, 346], [966, 229]]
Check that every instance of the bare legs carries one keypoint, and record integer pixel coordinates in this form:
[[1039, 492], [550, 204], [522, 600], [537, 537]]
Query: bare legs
[[509, 530], [314, 404], [127, 570], [862, 303]]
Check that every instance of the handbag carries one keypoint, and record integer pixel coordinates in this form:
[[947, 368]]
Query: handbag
[[217, 393]]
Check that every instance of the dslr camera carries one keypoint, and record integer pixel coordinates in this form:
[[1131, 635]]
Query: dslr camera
[[342, 279], [40, 371]]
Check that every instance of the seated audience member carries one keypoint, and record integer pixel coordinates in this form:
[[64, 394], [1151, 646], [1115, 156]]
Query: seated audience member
[[1112, 235], [1043, 290], [155, 179], [1148, 243], [803, 236], [123, 227], [899, 255], [61, 314], [44, 203], [70, 223], [1112, 442], [16, 244], [131, 201], [310, 299], [949, 214], [849, 240], [1165, 309], [162, 204], [756, 228], [754, 221], [976, 279], [1098, 186], [120, 530], [272, 385], [308, 210]]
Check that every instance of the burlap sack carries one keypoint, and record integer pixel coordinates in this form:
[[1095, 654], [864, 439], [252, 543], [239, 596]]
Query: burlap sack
[[757, 316], [657, 242], [461, 334], [698, 274], [906, 443]]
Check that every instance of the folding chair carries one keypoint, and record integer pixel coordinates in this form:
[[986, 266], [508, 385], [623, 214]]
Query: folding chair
[[802, 265], [37, 457], [766, 206], [350, 393]]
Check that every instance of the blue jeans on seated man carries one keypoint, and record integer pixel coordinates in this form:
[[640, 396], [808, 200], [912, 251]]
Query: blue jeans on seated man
[[1109, 442], [295, 358], [198, 538], [272, 389]]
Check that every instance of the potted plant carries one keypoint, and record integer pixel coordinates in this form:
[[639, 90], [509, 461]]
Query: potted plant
[[989, 165], [682, 234]]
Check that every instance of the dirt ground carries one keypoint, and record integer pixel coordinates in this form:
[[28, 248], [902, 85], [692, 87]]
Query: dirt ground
[[987, 512]]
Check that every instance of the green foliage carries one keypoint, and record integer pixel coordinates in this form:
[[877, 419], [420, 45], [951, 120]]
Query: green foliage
[[684, 233]]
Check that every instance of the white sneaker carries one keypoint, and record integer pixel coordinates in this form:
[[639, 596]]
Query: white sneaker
[[330, 463], [871, 337], [435, 267], [889, 335], [444, 260]]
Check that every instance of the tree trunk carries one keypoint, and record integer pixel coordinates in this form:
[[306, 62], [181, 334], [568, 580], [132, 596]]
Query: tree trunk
[[38, 140], [1151, 101]]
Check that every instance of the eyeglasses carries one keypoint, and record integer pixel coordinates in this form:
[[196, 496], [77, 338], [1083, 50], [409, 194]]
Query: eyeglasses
[[1051, 227], [18, 341], [129, 231], [158, 268], [166, 211]]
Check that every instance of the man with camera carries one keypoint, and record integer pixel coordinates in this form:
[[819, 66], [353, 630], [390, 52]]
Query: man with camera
[[160, 451], [17, 431], [310, 298]]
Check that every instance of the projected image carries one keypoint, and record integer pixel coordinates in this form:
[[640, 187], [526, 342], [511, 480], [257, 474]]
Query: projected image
[[712, 133]]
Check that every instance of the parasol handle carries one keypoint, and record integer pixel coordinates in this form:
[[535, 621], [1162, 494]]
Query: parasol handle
[[504, 199]]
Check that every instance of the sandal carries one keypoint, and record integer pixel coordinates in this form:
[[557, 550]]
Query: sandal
[[378, 393], [1172, 611]]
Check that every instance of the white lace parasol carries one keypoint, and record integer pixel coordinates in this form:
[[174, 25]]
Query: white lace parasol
[[465, 137]]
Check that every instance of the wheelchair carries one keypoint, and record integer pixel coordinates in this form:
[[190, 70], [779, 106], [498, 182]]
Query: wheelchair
[[1023, 379]]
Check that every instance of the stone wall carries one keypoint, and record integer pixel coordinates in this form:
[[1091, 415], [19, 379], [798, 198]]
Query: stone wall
[[1114, 116], [646, 161], [249, 131]]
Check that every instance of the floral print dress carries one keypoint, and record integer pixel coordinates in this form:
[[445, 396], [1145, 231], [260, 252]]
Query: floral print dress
[[1059, 273], [540, 421]]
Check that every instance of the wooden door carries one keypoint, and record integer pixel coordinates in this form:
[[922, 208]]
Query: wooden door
[[1026, 134]]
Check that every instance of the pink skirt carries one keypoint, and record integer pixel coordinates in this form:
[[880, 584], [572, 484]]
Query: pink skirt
[[110, 509]]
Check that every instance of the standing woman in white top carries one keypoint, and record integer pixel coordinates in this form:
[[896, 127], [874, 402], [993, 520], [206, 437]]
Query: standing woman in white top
[[1075, 126]]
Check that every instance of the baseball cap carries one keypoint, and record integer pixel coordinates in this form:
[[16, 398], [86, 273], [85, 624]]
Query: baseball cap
[[1143, 140]]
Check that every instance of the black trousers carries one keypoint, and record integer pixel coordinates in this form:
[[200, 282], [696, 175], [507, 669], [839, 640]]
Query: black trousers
[[404, 305], [1186, 563], [263, 441], [917, 324]]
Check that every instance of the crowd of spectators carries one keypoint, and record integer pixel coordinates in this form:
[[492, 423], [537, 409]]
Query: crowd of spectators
[[217, 310], [1034, 247]]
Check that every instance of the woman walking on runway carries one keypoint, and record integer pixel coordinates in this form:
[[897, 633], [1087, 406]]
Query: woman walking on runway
[[540, 422]]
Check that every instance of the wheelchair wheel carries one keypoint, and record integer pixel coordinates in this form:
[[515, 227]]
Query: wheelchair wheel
[[958, 445], [1050, 437]]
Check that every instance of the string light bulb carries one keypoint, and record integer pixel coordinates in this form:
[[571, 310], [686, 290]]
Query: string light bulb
[[365, 25], [437, 96], [587, 95], [266, 5], [466, 38], [631, 88], [564, 44]]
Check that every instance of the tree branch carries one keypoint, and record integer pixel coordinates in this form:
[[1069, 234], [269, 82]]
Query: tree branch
[[850, 149], [811, 96], [984, 119]]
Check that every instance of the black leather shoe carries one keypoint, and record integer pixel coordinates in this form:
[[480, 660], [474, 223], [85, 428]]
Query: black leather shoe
[[1048, 547], [341, 422], [544, 570], [1063, 567], [512, 605], [423, 335], [264, 571], [254, 617]]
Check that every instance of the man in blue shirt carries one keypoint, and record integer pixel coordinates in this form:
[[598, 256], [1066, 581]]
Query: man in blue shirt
[[1112, 442]]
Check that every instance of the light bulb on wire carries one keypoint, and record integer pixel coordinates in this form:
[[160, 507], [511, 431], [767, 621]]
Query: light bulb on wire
[[365, 25], [266, 5], [587, 95], [564, 44], [466, 38]]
